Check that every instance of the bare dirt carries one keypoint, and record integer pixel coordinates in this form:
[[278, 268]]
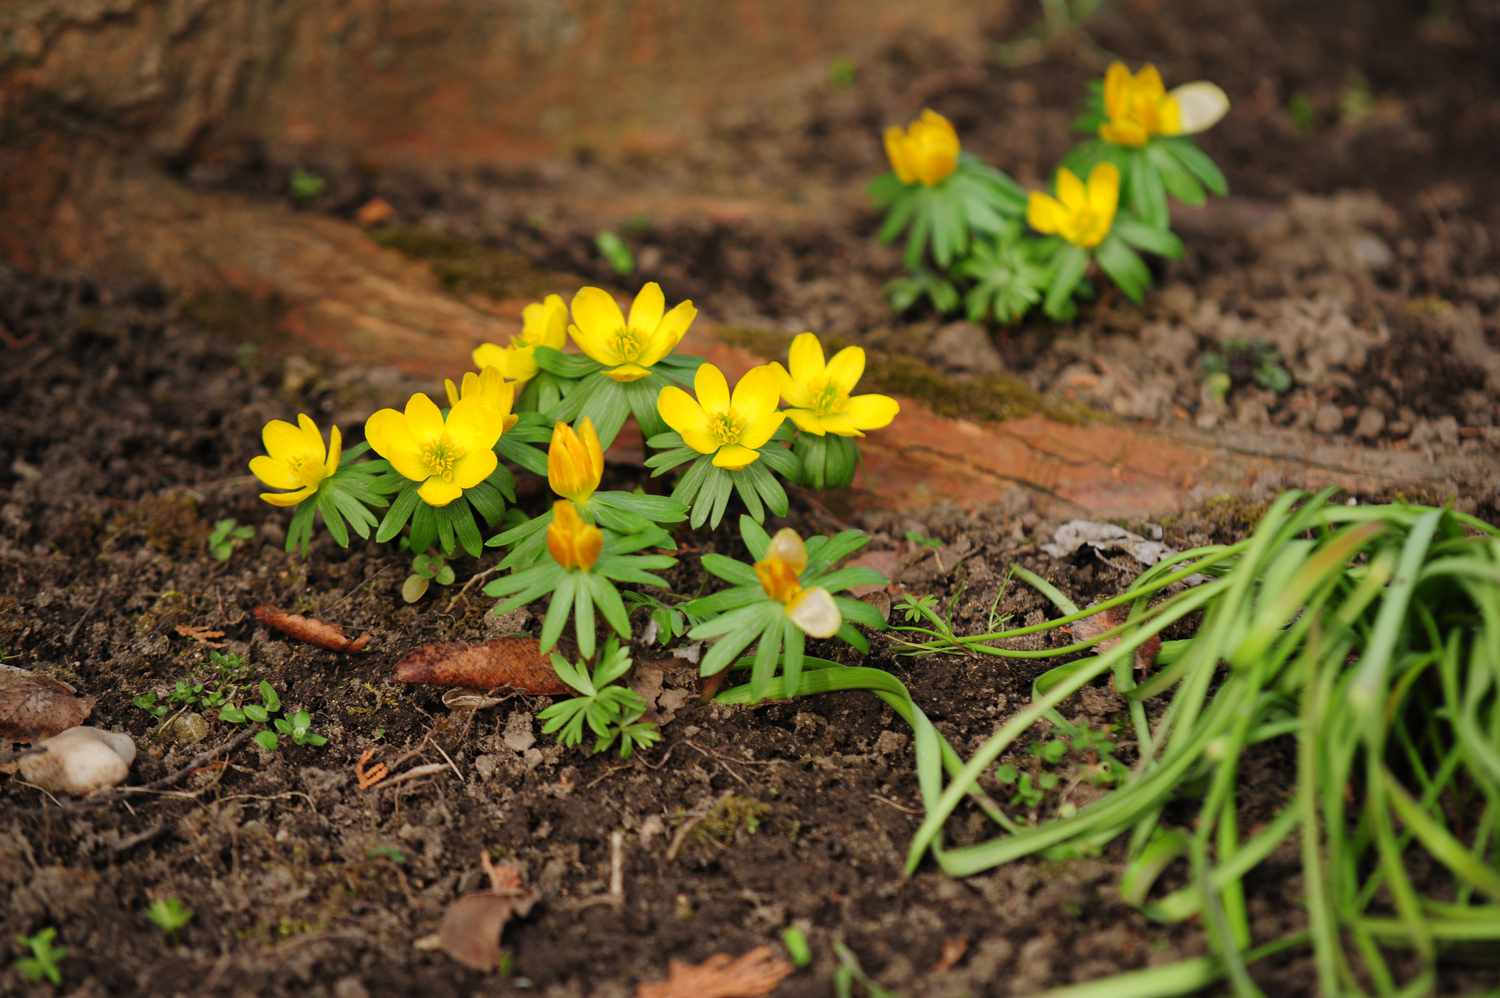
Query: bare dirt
[[1360, 243]]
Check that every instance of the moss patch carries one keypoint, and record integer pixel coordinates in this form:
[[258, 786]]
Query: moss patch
[[466, 267], [992, 397], [730, 819]]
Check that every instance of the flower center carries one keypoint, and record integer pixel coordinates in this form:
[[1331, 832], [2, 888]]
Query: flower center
[[627, 345], [307, 467], [725, 429], [826, 400], [778, 579], [440, 457]]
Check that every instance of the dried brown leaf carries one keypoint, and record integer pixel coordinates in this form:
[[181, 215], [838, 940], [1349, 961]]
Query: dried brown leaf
[[756, 973], [202, 635], [1106, 620], [314, 632], [471, 927], [34, 707], [514, 662]]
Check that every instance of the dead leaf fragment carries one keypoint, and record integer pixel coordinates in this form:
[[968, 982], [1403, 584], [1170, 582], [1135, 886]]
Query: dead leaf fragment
[[514, 662], [1106, 620], [1104, 537], [33, 707], [471, 927], [756, 973], [202, 635], [314, 632], [373, 212]]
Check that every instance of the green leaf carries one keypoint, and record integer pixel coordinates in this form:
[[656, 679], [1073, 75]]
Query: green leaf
[[729, 647], [401, 510], [1068, 270], [734, 572], [1197, 163], [583, 615], [757, 541], [267, 740], [332, 519], [1158, 241], [1148, 196], [607, 599], [557, 610], [565, 365], [767, 653], [268, 696], [1124, 267], [256, 713], [1179, 183]]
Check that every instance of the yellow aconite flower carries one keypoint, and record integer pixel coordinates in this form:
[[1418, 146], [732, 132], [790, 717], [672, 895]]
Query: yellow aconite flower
[[573, 543], [575, 461], [295, 459], [627, 349], [1081, 215], [926, 151], [732, 428], [813, 610], [490, 389], [543, 324], [1139, 106], [819, 393], [446, 456]]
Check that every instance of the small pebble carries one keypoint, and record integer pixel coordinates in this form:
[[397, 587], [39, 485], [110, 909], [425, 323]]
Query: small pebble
[[189, 728], [1330, 419], [80, 761], [1371, 422]]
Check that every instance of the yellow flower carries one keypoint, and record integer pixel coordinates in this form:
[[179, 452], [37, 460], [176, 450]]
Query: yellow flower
[[731, 428], [543, 324], [1139, 106], [779, 572], [575, 461], [819, 393], [926, 152], [446, 456], [295, 459], [573, 543], [628, 349], [1080, 215], [490, 389]]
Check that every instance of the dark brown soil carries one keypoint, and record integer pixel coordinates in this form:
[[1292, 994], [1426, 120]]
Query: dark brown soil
[[1361, 245]]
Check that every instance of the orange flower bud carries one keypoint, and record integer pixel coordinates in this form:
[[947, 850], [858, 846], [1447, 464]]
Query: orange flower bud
[[575, 461], [573, 543]]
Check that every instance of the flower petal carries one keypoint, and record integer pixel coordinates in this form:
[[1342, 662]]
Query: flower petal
[[423, 418], [895, 151], [871, 412], [1044, 213], [673, 327], [805, 358], [761, 429], [596, 320], [436, 492], [756, 394], [490, 355], [787, 546], [733, 456], [391, 438], [1116, 83], [1200, 106], [682, 413], [286, 499], [807, 421], [845, 369], [590, 439], [1148, 83], [647, 309], [1070, 189], [712, 389], [626, 372], [473, 468], [275, 473], [451, 391], [1104, 189], [1123, 133], [282, 439], [555, 323], [816, 613], [473, 426], [335, 451], [840, 425], [312, 438]]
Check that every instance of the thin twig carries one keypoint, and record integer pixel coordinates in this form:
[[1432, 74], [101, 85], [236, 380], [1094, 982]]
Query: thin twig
[[469, 582]]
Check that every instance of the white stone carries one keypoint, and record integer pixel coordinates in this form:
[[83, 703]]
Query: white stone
[[80, 761]]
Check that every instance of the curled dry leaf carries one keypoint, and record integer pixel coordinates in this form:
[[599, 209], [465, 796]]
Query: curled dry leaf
[[756, 973], [1105, 620], [471, 927], [514, 662], [306, 629], [1104, 537], [33, 707], [202, 635]]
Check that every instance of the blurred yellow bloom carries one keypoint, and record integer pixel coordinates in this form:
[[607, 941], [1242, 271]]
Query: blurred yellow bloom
[[628, 349], [1081, 215], [490, 389], [1139, 106], [573, 543], [543, 324], [575, 461], [779, 572], [926, 151], [819, 393], [295, 459], [446, 456], [732, 428]]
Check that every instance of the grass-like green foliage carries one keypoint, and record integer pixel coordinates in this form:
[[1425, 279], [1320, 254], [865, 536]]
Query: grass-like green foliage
[[705, 489], [742, 615], [578, 593], [42, 963], [1366, 639], [169, 914], [611, 711]]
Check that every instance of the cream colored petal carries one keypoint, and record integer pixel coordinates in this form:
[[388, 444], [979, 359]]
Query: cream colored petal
[[474, 468], [648, 308], [787, 546], [871, 412], [282, 440], [436, 492], [733, 456], [390, 437], [805, 358], [712, 389], [816, 613], [276, 474], [423, 418], [1200, 106], [287, 499], [682, 413], [846, 368], [761, 429]]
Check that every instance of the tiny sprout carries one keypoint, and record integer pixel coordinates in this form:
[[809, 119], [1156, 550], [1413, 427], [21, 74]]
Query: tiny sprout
[[796, 945], [615, 253], [169, 914], [306, 185], [227, 535], [42, 963], [426, 569]]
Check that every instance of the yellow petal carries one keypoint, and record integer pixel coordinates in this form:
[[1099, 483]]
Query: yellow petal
[[815, 612], [1200, 106], [335, 451], [757, 431], [312, 439], [1070, 190], [277, 474], [451, 391], [682, 413], [805, 358], [596, 320], [472, 426], [391, 438], [895, 151], [436, 492], [1044, 213], [1123, 133], [474, 467], [871, 412], [756, 394], [1148, 84], [285, 499], [712, 389], [787, 547], [555, 323], [733, 456], [1116, 83], [282, 440], [626, 372], [590, 439], [784, 384], [423, 418], [840, 425], [647, 309], [673, 327], [1104, 189], [807, 421], [846, 368], [490, 355]]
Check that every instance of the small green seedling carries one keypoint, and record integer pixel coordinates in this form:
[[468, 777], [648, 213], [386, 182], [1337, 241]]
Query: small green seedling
[[842, 73], [41, 965], [228, 666], [426, 569], [169, 914], [849, 973], [796, 945], [904, 292], [1027, 793], [387, 852], [306, 185], [297, 726], [227, 535], [671, 622], [611, 711], [1243, 361], [615, 253]]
